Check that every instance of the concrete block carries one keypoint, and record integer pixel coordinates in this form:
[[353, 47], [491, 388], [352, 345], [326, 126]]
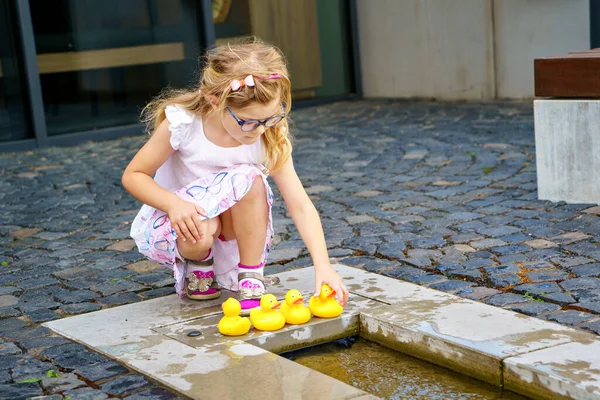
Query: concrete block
[[568, 371], [567, 141]]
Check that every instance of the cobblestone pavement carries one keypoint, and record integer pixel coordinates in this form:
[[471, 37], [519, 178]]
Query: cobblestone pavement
[[439, 194]]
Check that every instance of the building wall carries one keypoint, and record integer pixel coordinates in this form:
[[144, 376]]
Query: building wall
[[463, 49]]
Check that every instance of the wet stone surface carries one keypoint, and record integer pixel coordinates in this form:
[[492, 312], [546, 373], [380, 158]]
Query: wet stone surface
[[441, 194]]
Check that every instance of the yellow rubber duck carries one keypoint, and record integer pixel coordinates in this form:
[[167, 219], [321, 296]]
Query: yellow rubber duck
[[325, 305], [232, 324], [292, 309], [267, 317]]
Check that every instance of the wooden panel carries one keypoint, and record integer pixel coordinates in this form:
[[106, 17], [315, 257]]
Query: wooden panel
[[293, 27], [110, 58], [573, 75]]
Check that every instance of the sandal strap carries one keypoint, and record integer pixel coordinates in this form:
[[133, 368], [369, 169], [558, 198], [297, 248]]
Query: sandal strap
[[207, 263], [267, 280]]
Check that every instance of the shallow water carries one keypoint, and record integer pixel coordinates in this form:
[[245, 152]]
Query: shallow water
[[392, 375]]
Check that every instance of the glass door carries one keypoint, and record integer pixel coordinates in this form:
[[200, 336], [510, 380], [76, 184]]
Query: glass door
[[314, 35], [14, 110], [100, 61]]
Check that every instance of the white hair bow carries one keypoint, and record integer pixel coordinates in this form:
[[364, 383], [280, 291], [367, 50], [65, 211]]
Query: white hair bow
[[247, 81]]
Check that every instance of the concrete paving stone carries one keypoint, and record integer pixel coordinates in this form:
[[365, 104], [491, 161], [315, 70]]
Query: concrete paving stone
[[36, 344], [477, 293], [68, 253], [7, 312], [66, 381], [487, 243], [357, 219], [451, 286], [428, 243], [568, 238], [124, 384], [558, 298], [129, 256], [99, 256], [160, 292], [367, 244], [593, 306], [402, 271], [8, 300], [481, 254], [580, 283], [85, 393], [512, 258], [123, 245], [463, 238], [585, 248], [570, 317], [73, 273], [153, 394], [376, 265], [504, 280], [593, 326], [37, 283], [72, 356], [5, 377], [570, 261], [504, 299], [109, 288], [41, 315], [51, 235], [510, 249], [515, 239], [119, 299], [585, 295], [585, 271], [20, 391], [535, 308], [150, 279], [425, 279], [357, 262], [9, 349], [547, 275], [538, 288], [145, 266], [593, 210], [80, 308], [502, 269], [30, 368], [498, 231], [100, 370]]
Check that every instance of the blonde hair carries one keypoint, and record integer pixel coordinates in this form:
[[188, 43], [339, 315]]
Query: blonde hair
[[223, 64]]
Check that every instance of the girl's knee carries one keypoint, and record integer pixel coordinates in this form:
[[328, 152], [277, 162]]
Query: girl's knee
[[194, 251], [257, 190]]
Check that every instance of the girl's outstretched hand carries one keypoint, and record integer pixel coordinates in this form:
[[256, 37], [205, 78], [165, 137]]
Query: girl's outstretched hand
[[330, 276], [185, 220]]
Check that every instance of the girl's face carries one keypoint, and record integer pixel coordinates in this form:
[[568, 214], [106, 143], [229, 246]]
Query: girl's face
[[254, 112]]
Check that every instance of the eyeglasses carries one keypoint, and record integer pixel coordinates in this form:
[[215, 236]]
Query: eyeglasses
[[252, 124]]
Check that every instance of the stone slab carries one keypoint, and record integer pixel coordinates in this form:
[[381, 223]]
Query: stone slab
[[569, 371]]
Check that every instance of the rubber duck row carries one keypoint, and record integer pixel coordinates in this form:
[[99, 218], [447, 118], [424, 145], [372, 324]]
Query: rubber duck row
[[273, 315]]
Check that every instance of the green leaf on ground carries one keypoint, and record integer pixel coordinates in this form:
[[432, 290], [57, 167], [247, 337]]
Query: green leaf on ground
[[30, 380], [52, 374]]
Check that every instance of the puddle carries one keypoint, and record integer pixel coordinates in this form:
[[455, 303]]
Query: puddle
[[392, 375]]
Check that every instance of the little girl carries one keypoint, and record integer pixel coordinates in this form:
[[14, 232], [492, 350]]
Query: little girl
[[207, 211]]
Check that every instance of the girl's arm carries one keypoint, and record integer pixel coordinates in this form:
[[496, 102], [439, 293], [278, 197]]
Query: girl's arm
[[138, 180], [307, 220]]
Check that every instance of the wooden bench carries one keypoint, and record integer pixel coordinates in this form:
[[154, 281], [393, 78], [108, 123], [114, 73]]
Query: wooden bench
[[567, 127]]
